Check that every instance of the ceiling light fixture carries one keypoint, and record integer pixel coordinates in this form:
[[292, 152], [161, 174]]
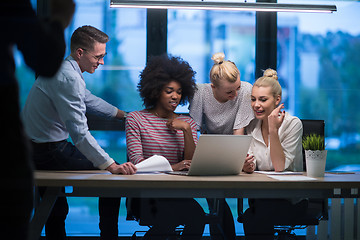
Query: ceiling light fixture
[[234, 6]]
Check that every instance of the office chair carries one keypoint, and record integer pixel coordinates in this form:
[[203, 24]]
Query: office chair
[[317, 208], [133, 213]]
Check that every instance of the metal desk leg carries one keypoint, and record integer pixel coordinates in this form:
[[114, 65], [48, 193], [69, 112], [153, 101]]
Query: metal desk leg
[[42, 212], [310, 233], [322, 230], [335, 220], [349, 215], [358, 219]]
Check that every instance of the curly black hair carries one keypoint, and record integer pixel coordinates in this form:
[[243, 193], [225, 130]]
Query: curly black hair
[[161, 70]]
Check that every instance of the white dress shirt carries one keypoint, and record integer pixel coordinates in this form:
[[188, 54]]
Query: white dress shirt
[[290, 134], [56, 107]]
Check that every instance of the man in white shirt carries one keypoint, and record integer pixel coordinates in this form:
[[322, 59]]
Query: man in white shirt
[[55, 109]]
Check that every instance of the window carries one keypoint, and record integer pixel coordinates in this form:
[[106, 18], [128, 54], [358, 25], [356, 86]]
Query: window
[[212, 31], [116, 80], [318, 58]]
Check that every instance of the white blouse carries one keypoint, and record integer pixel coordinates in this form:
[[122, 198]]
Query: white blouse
[[290, 134], [221, 118]]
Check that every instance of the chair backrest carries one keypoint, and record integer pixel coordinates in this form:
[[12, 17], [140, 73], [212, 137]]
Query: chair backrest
[[97, 123], [311, 126]]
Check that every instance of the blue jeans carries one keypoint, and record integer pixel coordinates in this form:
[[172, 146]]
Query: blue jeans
[[64, 155]]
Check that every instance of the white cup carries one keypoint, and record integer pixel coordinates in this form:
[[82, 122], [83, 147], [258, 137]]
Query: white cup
[[315, 163]]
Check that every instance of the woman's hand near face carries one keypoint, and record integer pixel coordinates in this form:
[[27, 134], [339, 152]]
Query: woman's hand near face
[[176, 124], [180, 166], [189, 144], [277, 155], [276, 118]]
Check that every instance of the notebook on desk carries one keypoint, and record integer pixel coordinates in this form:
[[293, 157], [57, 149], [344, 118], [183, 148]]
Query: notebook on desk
[[217, 155]]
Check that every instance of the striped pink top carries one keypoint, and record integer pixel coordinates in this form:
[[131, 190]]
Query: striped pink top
[[147, 135]]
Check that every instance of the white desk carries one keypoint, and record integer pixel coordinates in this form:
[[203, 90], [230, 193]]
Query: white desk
[[103, 184]]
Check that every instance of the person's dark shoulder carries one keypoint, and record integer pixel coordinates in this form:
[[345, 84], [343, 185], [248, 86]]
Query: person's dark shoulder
[[16, 8]]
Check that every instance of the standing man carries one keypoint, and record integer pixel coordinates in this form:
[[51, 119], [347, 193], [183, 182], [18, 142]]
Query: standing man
[[55, 109]]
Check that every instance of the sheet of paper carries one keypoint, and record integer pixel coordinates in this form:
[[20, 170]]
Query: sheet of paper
[[155, 163], [279, 173], [150, 173], [291, 178]]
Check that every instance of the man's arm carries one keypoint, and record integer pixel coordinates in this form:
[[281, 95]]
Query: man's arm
[[71, 109], [121, 114], [99, 107]]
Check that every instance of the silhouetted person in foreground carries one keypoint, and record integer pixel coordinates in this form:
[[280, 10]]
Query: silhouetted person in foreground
[[41, 42]]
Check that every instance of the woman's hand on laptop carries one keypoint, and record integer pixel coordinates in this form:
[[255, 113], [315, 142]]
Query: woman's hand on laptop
[[180, 166]]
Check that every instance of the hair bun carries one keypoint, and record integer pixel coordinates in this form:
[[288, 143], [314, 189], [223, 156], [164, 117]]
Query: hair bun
[[270, 73], [218, 58]]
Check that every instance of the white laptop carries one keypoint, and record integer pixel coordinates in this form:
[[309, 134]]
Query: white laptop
[[218, 155]]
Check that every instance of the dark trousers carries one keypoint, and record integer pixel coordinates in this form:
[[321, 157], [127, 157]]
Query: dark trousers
[[263, 214], [65, 156], [16, 202], [165, 214], [225, 228]]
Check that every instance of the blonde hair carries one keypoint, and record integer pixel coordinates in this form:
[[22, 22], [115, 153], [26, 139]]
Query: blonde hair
[[270, 79], [223, 69]]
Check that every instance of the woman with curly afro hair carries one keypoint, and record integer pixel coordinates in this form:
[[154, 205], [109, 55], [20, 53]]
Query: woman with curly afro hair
[[165, 83], [160, 71]]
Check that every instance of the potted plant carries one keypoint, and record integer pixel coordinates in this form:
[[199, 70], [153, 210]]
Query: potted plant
[[315, 155]]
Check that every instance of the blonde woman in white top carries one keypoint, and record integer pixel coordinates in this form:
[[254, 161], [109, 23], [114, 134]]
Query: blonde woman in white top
[[277, 135], [276, 146]]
